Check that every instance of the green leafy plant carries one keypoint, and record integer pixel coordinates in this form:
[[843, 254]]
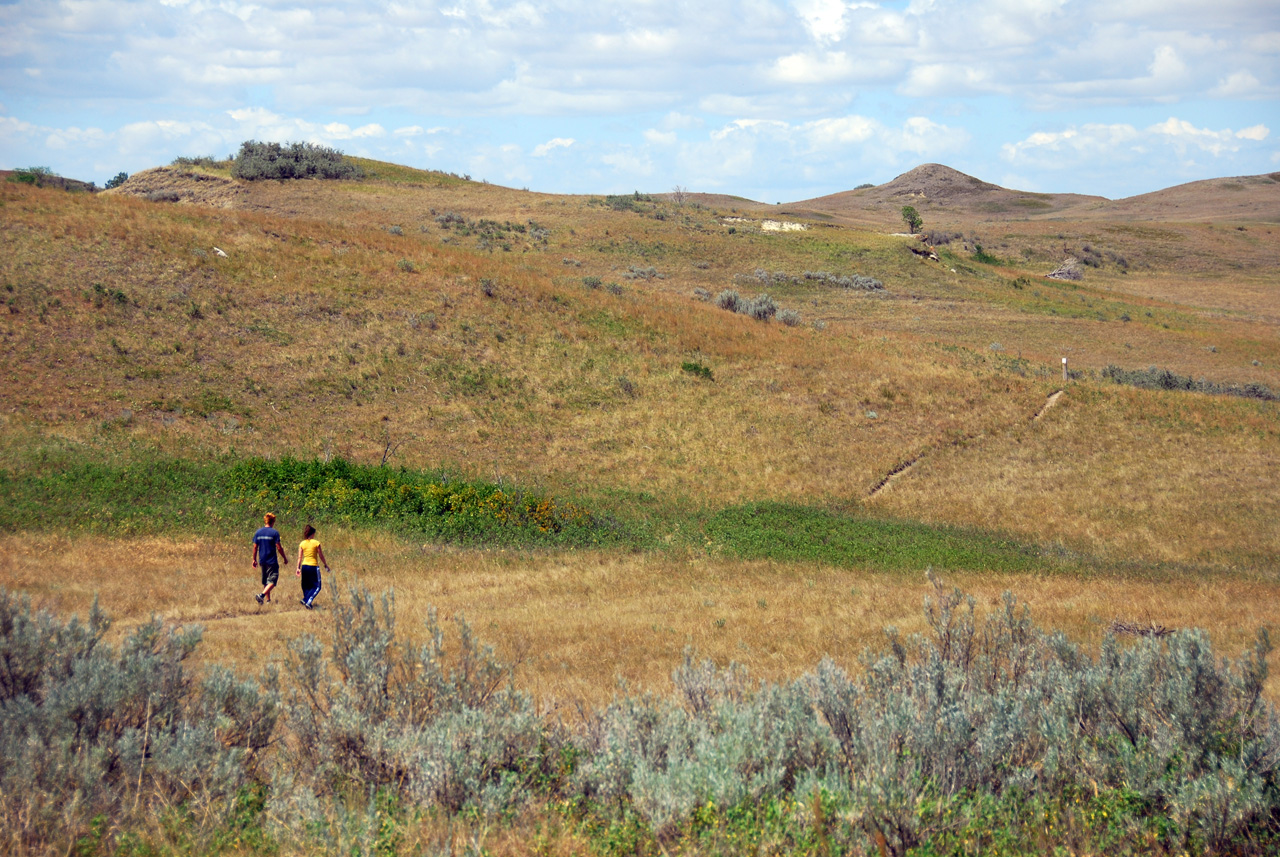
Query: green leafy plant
[[912, 218], [697, 370]]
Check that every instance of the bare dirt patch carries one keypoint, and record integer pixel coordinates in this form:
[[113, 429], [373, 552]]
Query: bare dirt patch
[[173, 184]]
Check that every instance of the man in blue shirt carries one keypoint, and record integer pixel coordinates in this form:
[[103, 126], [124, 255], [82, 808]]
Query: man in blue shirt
[[266, 541]]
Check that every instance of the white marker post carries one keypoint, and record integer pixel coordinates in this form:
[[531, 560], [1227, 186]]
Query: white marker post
[[1064, 370]]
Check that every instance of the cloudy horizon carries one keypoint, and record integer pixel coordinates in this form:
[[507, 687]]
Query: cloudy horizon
[[771, 100]]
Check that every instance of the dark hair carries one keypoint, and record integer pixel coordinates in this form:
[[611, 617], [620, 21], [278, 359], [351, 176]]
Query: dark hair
[[308, 531]]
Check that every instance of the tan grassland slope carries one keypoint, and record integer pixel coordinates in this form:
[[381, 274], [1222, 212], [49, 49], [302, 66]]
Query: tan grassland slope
[[540, 340]]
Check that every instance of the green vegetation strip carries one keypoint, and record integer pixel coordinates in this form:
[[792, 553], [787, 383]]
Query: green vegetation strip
[[796, 533], [433, 504], [161, 495]]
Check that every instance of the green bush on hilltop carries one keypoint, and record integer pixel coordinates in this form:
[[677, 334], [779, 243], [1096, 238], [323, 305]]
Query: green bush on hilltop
[[257, 160]]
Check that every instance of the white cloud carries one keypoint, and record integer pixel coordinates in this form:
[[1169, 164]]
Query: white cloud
[[1123, 143], [824, 19], [629, 163], [1236, 85], [813, 68], [544, 149], [660, 138]]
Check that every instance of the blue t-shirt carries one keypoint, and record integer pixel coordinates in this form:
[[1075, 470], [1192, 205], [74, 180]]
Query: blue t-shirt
[[266, 538]]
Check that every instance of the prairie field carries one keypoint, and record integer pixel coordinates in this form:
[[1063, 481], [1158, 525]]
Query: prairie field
[[762, 491]]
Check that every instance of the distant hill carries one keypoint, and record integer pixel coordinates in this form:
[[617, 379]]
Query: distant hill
[[944, 197], [1249, 198], [949, 198]]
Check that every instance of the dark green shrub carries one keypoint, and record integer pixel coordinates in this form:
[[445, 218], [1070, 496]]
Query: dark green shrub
[[117, 180], [293, 161], [697, 370], [32, 175], [422, 503], [912, 218]]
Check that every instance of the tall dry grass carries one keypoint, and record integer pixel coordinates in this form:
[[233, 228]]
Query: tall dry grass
[[580, 623]]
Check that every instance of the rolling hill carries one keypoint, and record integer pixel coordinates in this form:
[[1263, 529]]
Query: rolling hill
[[542, 338]]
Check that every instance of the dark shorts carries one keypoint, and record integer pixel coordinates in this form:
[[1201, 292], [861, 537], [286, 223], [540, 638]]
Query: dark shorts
[[270, 573]]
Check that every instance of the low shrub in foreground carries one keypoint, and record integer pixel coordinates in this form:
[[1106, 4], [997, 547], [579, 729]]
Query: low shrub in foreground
[[982, 735], [91, 733]]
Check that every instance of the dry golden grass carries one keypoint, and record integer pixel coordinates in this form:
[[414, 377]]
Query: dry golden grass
[[580, 623], [323, 332]]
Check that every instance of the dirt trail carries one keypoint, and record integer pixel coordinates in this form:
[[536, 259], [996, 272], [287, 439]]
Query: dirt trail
[[1053, 400], [901, 469]]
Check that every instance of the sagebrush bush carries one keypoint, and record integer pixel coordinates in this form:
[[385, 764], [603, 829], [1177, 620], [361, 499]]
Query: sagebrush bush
[[730, 300], [257, 160], [762, 308], [981, 735], [88, 731], [1154, 378], [440, 729]]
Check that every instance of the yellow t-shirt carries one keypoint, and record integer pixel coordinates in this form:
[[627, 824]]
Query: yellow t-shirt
[[307, 550]]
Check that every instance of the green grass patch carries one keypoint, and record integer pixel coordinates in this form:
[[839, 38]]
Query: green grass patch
[[790, 533], [434, 505], [141, 497], [159, 495]]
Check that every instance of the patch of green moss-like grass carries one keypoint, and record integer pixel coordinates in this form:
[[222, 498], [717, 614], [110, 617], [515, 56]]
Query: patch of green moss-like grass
[[790, 533]]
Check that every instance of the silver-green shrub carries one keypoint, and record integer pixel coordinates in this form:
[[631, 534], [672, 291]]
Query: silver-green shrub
[[374, 712], [89, 731], [257, 160], [729, 299]]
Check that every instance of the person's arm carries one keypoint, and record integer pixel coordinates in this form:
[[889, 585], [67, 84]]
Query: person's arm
[[280, 547], [255, 554], [320, 553], [298, 571]]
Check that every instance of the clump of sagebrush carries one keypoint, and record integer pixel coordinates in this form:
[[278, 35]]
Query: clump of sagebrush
[[638, 272], [843, 281], [1153, 378], [371, 711], [95, 739], [761, 308], [428, 503], [292, 161]]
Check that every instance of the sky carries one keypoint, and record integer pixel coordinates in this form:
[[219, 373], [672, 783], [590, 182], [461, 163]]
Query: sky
[[773, 100]]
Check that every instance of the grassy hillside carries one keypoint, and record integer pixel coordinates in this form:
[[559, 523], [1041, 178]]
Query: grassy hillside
[[534, 412], [439, 323]]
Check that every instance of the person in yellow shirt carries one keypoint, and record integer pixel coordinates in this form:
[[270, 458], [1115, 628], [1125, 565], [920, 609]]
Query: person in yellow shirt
[[310, 556]]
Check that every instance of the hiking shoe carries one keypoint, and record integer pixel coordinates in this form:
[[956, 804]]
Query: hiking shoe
[[258, 598]]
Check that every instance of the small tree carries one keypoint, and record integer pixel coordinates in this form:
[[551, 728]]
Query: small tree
[[912, 218], [119, 179]]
